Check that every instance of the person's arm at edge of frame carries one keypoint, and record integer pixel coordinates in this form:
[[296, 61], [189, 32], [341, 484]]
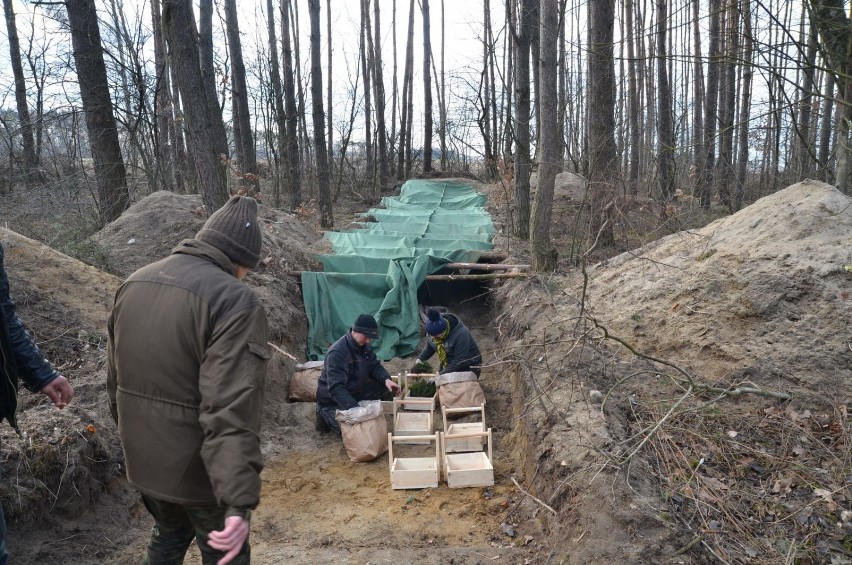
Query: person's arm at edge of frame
[[232, 391], [36, 372]]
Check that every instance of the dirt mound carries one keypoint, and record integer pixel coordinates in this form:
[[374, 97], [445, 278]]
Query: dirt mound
[[758, 300], [152, 227], [763, 292]]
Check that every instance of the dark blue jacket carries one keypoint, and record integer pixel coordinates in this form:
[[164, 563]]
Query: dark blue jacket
[[462, 352], [349, 374], [19, 355]]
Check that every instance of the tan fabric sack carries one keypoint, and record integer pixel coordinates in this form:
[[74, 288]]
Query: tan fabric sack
[[467, 394], [303, 385], [367, 440]]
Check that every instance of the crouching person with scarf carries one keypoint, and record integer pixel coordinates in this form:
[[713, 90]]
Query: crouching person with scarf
[[459, 360]]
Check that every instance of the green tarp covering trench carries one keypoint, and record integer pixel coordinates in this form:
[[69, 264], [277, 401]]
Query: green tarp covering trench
[[378, 267]]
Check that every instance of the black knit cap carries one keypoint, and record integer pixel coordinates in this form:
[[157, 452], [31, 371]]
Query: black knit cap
[[233, 229], [366, 324]]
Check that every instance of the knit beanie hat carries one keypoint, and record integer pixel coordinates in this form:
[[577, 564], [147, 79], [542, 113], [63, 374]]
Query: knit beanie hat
[[436, 324], [233, 229], [366, 324]]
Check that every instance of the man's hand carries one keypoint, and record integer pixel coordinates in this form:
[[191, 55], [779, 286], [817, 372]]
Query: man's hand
[[393, 387], [231, 538], [59, 391]]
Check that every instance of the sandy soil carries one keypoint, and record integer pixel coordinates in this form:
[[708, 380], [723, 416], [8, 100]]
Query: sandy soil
[[759, 299]]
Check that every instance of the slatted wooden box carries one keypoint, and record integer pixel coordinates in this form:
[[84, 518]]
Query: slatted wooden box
[[471, 469], [414, 472], [473, 443], [408, 423]]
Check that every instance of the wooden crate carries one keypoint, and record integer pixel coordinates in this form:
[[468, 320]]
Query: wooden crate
[[413, 472], [473, 443], [413, 423], [469, 469]]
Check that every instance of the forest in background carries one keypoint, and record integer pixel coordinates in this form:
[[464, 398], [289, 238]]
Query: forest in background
[[705, 103]]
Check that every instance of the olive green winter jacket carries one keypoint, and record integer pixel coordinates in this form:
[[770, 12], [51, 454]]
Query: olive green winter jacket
[[186, 363]]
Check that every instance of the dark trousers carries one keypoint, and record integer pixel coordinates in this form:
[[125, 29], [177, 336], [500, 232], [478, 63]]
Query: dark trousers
[[177, 525]]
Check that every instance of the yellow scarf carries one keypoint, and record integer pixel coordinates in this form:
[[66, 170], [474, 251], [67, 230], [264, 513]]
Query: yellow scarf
[[439, 346]]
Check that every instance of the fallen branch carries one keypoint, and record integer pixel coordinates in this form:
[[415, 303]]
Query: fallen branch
[[476, 277], [281, 351], [555, 513], [486, 266]]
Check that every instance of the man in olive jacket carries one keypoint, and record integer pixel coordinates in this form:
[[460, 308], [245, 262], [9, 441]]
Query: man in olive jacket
[[186, 361]]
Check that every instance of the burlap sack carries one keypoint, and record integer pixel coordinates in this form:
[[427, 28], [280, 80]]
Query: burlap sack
[[459, 390], [303, 385], [367, 440]]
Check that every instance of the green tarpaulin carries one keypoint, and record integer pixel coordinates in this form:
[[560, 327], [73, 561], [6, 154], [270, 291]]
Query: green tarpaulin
[[378, 267]]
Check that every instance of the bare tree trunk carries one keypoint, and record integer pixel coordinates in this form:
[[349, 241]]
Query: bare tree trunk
[[181, 151], [727, 97], [523, 158], [543, 253], [632, 101], [563, 85], [366, 72], [836, 32], [711, 117], [30, 160], [329, 88], [442, 103], [113, 196], [427, 90], [164, 166], [301, 115], [484, 96], [379, 90], [404, 161], [698, 91], [665, 127], [205, 49], [203, 117], [394, 94], [826, 129], [745, 107], [324, 188], [804, 150], [603, 160], [278, 100], [291, 111], [243, 137]]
